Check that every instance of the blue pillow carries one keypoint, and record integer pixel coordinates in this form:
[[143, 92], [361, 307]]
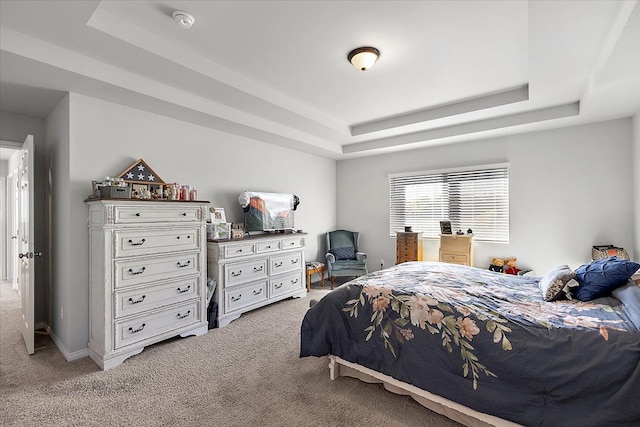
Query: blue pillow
[[600, 277], [344, 253]]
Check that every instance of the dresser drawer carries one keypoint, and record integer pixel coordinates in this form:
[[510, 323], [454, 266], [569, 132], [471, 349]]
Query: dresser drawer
[[137, 300], [243, 249], [243, 272], [292, 242], [145, 270], [134, 330], [141, 214], [455, 259], [284, 263], [146, 242], [284, 284], [242, 296], [267, 246]]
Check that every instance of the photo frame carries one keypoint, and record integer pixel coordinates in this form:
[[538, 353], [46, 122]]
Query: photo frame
[[445, 227], [217, 215]]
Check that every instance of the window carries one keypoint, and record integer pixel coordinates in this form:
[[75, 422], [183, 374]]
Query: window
[[476, 199]]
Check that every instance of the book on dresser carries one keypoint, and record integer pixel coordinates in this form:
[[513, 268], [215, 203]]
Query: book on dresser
[[147, 275], [255, 271]]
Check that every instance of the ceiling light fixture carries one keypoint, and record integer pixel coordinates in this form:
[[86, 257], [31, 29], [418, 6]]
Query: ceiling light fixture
[[185, 20], [363, 58]]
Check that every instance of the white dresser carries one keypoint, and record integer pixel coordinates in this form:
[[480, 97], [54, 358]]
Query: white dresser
[[147, 275], [255, 271]]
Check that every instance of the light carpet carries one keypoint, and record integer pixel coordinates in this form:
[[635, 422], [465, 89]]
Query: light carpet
[[246, 374]]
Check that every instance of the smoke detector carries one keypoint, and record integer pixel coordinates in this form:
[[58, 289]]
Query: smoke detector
[[183, 19]]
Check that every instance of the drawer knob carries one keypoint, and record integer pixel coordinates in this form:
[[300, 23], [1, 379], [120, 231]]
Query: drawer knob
[[239, 250], [137, 213], [182, 316], [182, 291], [234, 299], [133, 331], [278, 264], [187, 264], [268, 246], [140, 243], [256, 269], [292, 244], [184, 214], [234, 274], [257, 291], [139, 300], [137, 272]]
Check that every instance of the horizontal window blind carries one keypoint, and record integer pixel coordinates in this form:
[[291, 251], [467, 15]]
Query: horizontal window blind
[[476, 199]]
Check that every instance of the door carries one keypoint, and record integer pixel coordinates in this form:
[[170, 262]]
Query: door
[[26, 254]]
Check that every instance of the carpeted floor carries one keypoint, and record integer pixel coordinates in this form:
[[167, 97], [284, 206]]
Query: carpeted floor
[[246, 374]]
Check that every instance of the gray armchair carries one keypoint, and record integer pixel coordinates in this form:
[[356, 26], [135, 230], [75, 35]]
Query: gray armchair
[[343, 255]]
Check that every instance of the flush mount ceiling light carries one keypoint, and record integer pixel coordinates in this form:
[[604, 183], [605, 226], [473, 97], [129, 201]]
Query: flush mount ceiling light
[[183, 19], [363, 58]]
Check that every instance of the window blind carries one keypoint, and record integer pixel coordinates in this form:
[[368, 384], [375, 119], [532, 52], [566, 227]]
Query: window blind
[[476, 199]]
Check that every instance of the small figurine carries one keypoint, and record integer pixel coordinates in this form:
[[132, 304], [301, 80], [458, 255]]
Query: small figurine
[[469, 231]]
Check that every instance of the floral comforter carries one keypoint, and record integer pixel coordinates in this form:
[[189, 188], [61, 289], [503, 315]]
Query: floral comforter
[[488, 341]]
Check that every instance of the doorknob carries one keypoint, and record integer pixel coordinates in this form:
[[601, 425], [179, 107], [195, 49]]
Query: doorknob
[[29, 254]]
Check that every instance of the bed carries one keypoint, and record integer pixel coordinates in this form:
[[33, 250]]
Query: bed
[[484, 348]]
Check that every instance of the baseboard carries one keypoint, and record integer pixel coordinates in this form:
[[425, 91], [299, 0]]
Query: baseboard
[[68, 356]]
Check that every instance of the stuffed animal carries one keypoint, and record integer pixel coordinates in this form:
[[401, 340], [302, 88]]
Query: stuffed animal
[[497, 265], [511, 266]]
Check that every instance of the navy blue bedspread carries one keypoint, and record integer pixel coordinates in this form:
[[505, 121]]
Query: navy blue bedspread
[[488, 341]]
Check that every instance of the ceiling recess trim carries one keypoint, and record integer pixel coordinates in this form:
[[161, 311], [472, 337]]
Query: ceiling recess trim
[[542, 114], [509, 96]]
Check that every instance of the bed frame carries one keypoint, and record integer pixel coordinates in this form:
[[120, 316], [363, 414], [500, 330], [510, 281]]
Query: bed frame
[[341, 368]]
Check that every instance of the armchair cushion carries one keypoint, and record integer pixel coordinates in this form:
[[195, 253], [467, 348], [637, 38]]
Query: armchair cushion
[[344, 253]]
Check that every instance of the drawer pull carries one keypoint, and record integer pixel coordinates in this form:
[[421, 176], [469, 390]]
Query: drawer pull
[[256, 269], [234, 299], [292, 244], [137, 213], [234, 274], [239, 250], [278, 264], [257, 291], [293, 282], [184, 265], [278, 286], [182, 291], [138, 300], [294, 261], [133, 331], [182, 316], [133, 273], [140, 243], [268, 246], [184, 214]]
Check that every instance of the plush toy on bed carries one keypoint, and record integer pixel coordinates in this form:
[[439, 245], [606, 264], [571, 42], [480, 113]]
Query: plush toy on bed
[[511, 266], [497, 265]]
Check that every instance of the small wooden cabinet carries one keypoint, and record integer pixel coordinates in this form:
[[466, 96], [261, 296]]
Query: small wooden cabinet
[[408, 247], [456, 249]]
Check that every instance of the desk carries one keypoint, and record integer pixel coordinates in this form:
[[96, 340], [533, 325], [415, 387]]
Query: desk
[[312, 268]]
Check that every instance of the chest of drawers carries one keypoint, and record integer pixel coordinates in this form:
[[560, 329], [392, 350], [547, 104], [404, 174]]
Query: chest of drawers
[[255, 271], [456, 249], [147, 275], [408, 247]]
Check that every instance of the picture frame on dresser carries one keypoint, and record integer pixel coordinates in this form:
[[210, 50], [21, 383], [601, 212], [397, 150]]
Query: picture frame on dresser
[[445, 227]]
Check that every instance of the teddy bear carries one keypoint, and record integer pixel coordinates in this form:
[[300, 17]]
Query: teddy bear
[[511, 266], [497, 265]]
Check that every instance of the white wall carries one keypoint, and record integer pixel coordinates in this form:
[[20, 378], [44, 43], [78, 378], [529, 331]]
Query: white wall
[[570, 189], [636, 187], [105, 138]]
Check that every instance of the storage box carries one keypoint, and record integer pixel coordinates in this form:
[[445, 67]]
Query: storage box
[[605, 251], [220, 231], [113, 192]]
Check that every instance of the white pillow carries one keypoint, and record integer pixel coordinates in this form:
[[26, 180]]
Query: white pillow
[[556, 283]]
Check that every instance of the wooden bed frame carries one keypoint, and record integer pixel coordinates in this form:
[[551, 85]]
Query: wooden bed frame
[[341, 368]]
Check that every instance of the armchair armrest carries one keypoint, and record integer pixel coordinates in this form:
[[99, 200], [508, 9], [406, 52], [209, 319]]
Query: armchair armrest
[[361, 256], [331, 258]]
